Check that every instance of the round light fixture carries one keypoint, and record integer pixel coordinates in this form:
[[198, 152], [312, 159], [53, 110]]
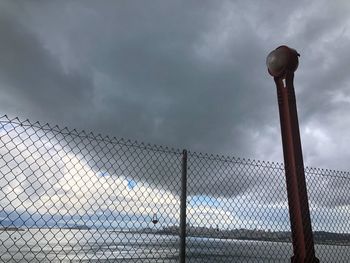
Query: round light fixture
[[282, 59]]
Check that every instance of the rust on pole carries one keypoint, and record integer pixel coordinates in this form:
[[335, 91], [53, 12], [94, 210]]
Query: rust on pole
[[281, 63]]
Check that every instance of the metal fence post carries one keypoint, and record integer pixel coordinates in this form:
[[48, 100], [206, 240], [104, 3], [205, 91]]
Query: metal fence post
[[183, 207]]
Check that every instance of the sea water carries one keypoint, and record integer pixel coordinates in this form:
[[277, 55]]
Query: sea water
[[74, 245]]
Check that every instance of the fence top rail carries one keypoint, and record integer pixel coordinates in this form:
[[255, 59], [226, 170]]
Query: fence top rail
[[4, 120], [327, 172], [236, 160]]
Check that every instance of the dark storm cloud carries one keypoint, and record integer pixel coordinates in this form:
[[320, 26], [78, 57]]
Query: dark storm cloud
[[179, 73], [152, 75], [32, 79]]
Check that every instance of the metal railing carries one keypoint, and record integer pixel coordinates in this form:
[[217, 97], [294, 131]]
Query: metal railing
[[69, 196]]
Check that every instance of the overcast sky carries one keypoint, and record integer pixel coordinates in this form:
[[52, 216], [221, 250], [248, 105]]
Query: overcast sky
[[188, 74]]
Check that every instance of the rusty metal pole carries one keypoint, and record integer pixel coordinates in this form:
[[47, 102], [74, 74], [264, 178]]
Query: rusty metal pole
[[282, 63], [292, 189]]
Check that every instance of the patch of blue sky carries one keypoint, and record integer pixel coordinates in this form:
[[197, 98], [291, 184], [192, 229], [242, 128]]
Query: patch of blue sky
[[131, 184], [103, 173], [198, 200]]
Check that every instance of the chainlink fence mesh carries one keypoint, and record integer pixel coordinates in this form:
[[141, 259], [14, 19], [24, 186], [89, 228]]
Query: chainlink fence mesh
[[69, 196], [234, 207]]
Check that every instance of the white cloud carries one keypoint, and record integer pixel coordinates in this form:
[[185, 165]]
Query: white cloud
[[64, 184]]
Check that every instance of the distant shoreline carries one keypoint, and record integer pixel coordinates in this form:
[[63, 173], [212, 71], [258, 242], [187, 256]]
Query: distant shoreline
[[11, 229], [42, 228], [318, 240], [284, 239]]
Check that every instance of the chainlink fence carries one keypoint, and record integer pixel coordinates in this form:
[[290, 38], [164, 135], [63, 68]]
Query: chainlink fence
[[70, 196]]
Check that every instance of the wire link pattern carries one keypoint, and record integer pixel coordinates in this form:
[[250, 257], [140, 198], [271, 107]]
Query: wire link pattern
[[73, 196]]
